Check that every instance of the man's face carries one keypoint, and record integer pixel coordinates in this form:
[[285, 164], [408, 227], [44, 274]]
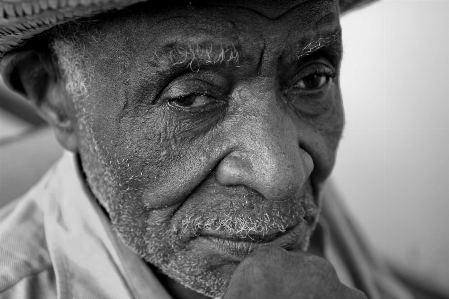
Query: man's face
[[209, 129]]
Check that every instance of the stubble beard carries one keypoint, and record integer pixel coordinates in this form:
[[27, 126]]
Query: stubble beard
[[164, 241], [169, 250]]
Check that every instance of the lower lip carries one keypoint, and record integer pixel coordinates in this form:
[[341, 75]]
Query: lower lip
[[238, 250]]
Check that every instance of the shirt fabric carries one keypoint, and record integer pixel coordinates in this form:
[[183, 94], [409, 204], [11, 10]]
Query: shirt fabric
[[56, 242]]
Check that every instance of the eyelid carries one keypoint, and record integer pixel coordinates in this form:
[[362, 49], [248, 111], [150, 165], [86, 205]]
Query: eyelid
[[207, 79], [170, 102], [187, 88], [180, 87], [324, 70], [313, 67]]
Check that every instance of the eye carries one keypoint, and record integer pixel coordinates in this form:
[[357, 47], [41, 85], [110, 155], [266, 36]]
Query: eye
[[315, 80], [313, 77], [191, 101], [308, 92]]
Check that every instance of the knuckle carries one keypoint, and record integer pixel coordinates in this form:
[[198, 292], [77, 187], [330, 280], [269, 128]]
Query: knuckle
[[320, 262], [262, 260], [266, 254]]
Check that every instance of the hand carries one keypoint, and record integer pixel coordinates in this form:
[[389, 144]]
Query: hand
[[273, 272]]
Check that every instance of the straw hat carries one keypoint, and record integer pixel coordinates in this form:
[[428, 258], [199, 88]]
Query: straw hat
[[20, 20]]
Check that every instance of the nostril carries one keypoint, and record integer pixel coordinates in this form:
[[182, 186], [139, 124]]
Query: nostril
[[277, 176], [307, 162], [234, 170]]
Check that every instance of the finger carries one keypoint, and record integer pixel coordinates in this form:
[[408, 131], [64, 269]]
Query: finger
[[251, 277], [270, 272]]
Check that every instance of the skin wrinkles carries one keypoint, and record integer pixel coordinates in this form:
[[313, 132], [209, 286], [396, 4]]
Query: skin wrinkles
[[192, 54], [324, 23], [325, 32], [251, 157], [269, 13]]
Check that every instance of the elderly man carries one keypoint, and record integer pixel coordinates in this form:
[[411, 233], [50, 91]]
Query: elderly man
[[198, 135]]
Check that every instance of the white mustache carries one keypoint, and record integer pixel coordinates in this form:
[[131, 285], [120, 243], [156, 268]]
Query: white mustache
[[236, 223]]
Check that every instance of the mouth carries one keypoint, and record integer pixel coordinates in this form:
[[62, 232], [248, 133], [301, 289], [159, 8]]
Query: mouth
[[238, 247]]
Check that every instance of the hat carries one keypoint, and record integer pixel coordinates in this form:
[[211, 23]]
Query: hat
[[20, 20]]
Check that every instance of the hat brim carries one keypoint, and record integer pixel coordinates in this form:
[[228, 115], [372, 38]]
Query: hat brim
[[20, 20]]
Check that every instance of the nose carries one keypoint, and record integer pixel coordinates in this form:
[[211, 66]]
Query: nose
[[266, 155]]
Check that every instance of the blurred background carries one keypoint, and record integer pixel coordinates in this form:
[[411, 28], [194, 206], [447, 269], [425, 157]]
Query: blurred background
[[393, 164]]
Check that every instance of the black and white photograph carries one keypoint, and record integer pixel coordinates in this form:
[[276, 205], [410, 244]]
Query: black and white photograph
[[224, 149]]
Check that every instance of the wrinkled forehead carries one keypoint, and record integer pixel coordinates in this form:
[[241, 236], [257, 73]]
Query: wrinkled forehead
[[147, 26]]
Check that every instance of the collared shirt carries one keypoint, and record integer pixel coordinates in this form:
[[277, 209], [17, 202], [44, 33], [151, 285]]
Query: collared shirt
[[57, 243]]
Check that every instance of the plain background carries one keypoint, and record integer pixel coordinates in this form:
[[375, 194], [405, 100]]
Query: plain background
[[393, 163]]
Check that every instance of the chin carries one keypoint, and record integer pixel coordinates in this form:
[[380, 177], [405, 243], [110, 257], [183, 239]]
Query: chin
[[202, 254]]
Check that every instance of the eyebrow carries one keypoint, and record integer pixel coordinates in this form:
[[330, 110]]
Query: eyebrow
[[333, 41], [195, 55]]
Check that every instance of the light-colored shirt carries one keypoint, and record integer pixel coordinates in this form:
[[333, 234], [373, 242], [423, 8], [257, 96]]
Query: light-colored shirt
[[56, 242]]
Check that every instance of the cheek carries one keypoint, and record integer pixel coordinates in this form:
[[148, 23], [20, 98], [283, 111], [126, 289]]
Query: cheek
[[332, 123], [147, 146], [321, 135], [149, 151], [331, 132]]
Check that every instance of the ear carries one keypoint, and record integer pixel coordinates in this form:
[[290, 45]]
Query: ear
[[34, 74]]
